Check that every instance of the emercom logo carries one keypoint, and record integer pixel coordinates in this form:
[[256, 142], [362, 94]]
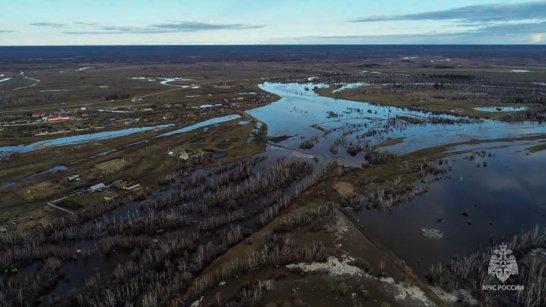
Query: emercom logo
[[502, 265]]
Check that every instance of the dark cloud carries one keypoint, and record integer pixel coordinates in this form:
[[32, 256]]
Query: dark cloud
[[184, 26], [475, 13], [49, 25], [6, 31]]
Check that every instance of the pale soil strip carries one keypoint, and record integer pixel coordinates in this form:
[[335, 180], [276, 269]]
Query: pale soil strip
[[60, 208]]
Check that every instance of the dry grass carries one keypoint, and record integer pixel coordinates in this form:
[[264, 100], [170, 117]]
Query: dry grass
[[389, 142], [344, 188], [112, 165], [537, 148], [149, 164]]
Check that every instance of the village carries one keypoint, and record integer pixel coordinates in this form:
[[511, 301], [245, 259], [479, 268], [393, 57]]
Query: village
[[75, 120]]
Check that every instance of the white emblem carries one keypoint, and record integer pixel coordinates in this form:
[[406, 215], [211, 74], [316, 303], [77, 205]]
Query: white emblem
[[502, 263]]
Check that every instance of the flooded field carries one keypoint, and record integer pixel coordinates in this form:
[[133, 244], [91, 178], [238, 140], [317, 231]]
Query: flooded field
[[492, 193], [302, 114], [206, 191], [488, 199]]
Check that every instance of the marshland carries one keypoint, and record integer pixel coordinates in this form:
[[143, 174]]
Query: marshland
[[314, 179]]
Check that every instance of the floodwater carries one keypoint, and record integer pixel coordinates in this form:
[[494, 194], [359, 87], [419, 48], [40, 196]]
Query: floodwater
[[500, 109], [83, 138], [476, 205], [299, 110], [486, 203], [205, 123], [76, 139]]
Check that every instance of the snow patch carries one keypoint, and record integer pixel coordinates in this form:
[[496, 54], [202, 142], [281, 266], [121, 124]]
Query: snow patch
[[348, 86], [84, 68], [405, 292], [452, 297], [207, 106], [333, 266], [197, 303], [432, 233]]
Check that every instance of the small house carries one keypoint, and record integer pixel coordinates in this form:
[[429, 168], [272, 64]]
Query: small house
[[97, 187], [38, 114], [75, 177], [131, 186], [184, 155], [110, 195]]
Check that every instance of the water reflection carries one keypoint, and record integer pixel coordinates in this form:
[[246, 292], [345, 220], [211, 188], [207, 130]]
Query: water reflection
[[478, 204], [473, 208], [302, 114], [76, 139]]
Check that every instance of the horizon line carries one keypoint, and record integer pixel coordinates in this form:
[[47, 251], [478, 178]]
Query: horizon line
[[268, 44]]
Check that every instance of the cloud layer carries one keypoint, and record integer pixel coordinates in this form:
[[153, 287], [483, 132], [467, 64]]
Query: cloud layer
[[181, 26], [475, 13], [520, 22], [48, 25], [500, 23]]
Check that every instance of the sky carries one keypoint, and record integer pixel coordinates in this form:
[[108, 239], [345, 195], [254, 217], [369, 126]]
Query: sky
[[181, 22]]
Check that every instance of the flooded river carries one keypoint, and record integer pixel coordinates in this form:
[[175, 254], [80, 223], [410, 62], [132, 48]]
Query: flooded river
[[83, 138], [484, 200], [476, 205], [300, 111]]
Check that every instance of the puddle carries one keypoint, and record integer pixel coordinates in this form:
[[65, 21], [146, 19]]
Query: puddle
[[500, 109]]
